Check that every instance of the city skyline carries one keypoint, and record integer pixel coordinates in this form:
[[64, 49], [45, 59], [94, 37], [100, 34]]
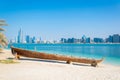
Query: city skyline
[[52, 19], [114, 38]]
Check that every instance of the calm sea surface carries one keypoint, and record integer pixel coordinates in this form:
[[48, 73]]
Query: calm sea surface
[[111, 52]]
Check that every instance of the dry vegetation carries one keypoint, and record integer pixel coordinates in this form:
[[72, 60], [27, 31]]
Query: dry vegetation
[[8, 61]]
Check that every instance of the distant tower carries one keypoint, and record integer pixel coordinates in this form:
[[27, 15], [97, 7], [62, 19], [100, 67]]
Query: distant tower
[[88, 40], [83, 39], [110, 39], [20, 38], [27, 39], [15, 40], [116, 38], [33, 39]]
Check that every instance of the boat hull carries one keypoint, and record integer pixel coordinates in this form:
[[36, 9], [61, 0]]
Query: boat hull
[[32, 54]]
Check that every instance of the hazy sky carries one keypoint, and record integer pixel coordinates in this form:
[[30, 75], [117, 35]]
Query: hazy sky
[[53, 19]]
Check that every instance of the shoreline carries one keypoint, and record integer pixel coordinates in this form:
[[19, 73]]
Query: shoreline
[[36, 69], [104, 62], [107, 60], [10, 55], [66, 43]]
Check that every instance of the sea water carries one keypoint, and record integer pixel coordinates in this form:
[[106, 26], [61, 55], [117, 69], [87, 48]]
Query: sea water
[[111, 52]]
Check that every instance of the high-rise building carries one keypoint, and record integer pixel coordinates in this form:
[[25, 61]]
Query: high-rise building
[[110, 39], [116, 38], [33, 39], [88, 40], [77, 40], [15, 39], [38, 40], [27, 39], [20, 36], [119, 39], [83, 39], [63, 40], [98, 40], [69, 40]]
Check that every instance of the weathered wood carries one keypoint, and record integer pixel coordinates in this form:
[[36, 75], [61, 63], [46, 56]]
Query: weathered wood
[[40, 55]]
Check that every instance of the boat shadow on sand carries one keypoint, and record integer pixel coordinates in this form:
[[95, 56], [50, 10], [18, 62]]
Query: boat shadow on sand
[[50, 61]]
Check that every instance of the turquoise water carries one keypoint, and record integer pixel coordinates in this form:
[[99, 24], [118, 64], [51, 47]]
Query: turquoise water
[[111, 52]]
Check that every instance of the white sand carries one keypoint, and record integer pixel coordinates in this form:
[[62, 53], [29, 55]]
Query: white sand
[[43, 70]]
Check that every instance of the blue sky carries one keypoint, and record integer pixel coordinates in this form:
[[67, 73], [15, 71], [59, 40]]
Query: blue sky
[[53, 19]]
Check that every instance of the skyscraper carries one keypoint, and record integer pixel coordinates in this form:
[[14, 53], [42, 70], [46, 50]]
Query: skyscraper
[[33, 39], [110, 39], [116, 38], [20, 36], [27, 39], [83, 39], [63, 40], [88, 40]]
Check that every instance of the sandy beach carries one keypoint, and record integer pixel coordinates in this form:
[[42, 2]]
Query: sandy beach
[[36, 69]]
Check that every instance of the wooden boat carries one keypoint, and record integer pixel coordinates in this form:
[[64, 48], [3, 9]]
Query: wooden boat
[[17, 52]]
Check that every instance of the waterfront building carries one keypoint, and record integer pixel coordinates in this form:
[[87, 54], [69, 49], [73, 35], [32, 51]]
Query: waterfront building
[[69, 40], [119, 39], [73, 40], [33, 40], [63, 40], [28, 39], [55, 41], [15, 39], [83, 39], [20, 36], [116, 38], [12, 41], [110, 39], [88, 40], [98, 40], [38, 40], [78, 40]]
